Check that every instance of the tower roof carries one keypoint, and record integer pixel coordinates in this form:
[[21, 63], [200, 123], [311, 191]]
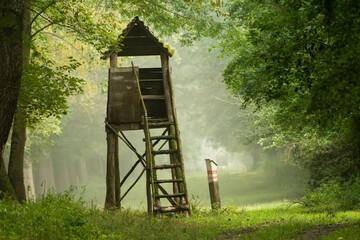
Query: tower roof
[[137, 40]]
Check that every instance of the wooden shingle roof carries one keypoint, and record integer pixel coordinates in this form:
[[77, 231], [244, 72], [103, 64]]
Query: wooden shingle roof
[[137, 40]]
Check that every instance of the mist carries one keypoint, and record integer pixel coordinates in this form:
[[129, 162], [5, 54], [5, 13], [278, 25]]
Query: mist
[[213, 125]]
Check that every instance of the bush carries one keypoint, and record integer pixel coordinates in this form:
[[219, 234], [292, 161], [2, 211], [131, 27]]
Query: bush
[[334, 195], [54, 216]]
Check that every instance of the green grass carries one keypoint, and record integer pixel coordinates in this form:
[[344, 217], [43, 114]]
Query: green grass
[[351, 232], [61, 216], [244, 189], [236, 189], [253, 208]]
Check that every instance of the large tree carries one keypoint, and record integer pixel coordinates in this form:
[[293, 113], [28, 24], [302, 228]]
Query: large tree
[[11, 56]]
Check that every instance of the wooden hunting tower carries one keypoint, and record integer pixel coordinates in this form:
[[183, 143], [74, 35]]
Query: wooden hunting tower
[[142, 98]]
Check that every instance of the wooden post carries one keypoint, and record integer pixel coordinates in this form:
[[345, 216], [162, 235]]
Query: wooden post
[[211, 168], [165, 71], [110, 200], [113, 60], [117, 174]]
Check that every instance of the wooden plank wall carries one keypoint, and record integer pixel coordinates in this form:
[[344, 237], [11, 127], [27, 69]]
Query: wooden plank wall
[[124, 111]]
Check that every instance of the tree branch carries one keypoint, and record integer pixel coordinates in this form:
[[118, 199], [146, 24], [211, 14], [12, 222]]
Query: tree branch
[[167, 10], [48, 25], [41, 11], [52, 34]]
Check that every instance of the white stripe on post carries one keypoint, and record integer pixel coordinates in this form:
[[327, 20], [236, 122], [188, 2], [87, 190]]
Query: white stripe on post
[[212, 175]]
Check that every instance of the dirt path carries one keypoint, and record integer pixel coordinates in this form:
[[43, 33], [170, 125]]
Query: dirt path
[[312, 234], [322, 231], [236, 234]]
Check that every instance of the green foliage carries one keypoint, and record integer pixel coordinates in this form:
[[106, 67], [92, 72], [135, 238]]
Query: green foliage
[[62, 216], [350, 232], [98, 23], [284, 176], [296, 62], [54, 216], [45, 88], [334, 195], [90, 21]]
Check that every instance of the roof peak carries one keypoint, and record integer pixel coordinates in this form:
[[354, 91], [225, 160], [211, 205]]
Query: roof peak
[[137, 40]]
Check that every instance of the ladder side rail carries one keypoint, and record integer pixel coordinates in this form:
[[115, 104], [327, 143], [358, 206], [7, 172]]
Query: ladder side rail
[[175, 185], [149, 156], [169, 109], [178, 137]]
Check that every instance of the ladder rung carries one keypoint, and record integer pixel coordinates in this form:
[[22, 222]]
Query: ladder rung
[[167, 137], [167, 181], [153, 120], [172, 208], [160, 124], [163, 137], [170, 195], [166, 166], [169, 151], [153, 97]]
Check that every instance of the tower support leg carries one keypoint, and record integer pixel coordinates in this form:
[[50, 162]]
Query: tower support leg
[[110, 200]]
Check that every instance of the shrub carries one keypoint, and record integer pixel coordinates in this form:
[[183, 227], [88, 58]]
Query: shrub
[[334, 195], [54, 216]]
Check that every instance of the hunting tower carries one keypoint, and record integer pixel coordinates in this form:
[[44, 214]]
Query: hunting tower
[[143, 98]]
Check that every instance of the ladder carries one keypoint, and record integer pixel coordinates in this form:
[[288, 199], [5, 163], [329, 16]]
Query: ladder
[[158, 189]]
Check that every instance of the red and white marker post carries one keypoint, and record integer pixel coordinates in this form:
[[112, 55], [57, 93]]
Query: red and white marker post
[[211, 168]]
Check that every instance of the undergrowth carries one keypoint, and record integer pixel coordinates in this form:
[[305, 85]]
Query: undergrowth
[[334, 195], [54, 216], [63, 216]]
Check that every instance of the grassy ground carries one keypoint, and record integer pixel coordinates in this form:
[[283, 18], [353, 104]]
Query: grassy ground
[[236, 189], [62, 217], [254, 207], [244, 189]]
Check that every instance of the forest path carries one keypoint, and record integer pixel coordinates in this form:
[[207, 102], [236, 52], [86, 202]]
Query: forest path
[[245, 231], [316, 232], [320, 231]]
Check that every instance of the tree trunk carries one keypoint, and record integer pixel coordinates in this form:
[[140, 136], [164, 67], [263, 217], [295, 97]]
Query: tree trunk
[[29, 180], [11, 29], [50, 178], [82, 171], [44, 177], [257, 157], [5, 184], [16, 160], [72, 173], [18, 138], [61, 175], [40, 178]]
